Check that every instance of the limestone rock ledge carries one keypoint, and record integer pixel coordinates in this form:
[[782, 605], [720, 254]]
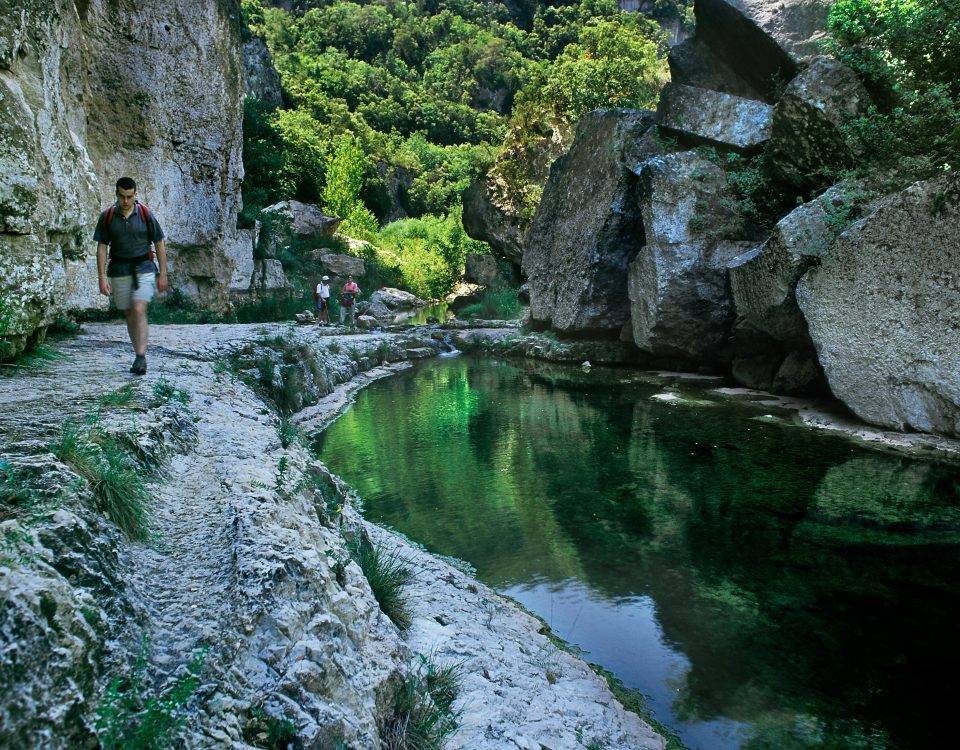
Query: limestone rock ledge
[[248, 558]]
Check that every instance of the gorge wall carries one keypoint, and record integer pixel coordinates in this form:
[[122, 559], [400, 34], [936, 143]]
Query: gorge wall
[[94, 90]]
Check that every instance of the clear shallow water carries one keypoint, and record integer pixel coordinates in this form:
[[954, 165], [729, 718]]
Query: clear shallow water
[[766, 586]]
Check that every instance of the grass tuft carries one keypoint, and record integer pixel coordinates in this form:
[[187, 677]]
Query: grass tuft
[[422, 716], [119, 489], [387, 574]]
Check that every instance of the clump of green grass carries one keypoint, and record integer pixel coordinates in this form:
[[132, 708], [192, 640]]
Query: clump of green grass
[[388, 575], [423, 717], [164, 391], [36, 357], [121, 397], [132, 715], [118, 487]]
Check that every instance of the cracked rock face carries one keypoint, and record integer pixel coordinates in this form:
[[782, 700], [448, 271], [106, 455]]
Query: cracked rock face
[[588, 228], [89, 93], [884, 310]]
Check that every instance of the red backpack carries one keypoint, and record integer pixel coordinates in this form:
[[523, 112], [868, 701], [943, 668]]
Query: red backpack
[[144, 214]]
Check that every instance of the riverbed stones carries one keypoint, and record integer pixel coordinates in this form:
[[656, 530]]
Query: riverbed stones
[[587, 229], [884, 311]]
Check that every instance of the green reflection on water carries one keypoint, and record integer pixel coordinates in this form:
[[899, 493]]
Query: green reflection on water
[[811, 586]]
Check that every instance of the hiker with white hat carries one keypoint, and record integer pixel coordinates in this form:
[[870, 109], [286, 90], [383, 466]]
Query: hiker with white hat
[[322, 296]]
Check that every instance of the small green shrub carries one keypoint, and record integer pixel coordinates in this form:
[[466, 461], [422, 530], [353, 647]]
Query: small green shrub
[[118, 483], [388, 574], [282, 477], [132, 717], [499, 302], [289, 433]]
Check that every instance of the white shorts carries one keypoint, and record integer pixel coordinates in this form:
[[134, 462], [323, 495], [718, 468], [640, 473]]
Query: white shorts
[[123, 291]]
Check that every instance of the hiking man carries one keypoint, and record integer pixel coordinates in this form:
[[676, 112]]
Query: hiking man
[[128, 229], [348, 296], [322, 296]]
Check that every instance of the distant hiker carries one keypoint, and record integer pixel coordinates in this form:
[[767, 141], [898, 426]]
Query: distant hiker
[[322, 295], [128, 228], [348, 296]]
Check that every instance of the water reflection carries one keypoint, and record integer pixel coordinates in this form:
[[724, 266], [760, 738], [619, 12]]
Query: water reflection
[[766, 586]]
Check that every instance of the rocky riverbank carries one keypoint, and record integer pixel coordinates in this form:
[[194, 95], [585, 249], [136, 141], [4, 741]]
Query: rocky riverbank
[[242, 587]]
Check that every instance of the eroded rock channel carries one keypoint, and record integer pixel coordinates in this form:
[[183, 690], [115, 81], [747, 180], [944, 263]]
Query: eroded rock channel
[[234, 596]]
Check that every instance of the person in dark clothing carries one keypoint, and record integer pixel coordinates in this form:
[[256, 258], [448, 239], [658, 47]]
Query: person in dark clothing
[[129, 229]]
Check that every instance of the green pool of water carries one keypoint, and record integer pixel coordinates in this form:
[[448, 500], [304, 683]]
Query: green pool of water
[[765, 585]]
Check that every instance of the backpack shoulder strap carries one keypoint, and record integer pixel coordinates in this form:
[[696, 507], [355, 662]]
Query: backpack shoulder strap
[[147, 220]]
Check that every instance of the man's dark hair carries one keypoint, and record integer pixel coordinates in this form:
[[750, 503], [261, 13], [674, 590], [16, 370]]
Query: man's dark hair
[[126, 183]]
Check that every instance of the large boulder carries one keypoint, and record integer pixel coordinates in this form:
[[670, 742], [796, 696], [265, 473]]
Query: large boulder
[[773, 349], [763, 281], [702, 116], [763, 40], [588, 228], [490, 221], [343, 265], [293, 222], [884, 311], [679, 296], [268, 275], [808, 144], [693, 63]]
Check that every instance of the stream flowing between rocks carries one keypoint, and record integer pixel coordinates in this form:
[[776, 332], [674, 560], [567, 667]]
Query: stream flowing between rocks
[[765, 585]]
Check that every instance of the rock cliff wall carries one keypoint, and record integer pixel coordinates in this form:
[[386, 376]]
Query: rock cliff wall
[[94, 90]]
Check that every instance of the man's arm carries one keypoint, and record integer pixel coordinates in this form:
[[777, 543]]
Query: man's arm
[[162, 263], [102, 268]]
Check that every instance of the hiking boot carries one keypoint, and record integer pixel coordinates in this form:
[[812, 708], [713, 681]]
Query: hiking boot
[[139, 366]]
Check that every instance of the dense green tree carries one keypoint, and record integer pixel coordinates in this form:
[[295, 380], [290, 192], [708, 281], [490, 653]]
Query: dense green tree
[[907, 52]]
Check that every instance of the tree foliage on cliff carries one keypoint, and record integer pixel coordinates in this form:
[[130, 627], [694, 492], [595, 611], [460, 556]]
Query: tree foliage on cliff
[[907, 52], [425, 91]]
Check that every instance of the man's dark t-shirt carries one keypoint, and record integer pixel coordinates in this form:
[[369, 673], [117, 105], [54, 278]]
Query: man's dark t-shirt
[[128, 239]]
